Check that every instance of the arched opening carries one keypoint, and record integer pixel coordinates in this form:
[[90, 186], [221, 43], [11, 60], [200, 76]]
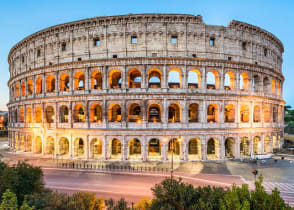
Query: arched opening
[[30, 87], [194, 78], [154, 149], [115, 149], [154, 78], [174, 148], [256, 83], [256, 114], [79, 148], [212, 113], [278, 88], [63, 146], [212, 80], [213, 148], [38, 145], [29, 143], [17, 90], [174, 78], [39, 87], [273, 90], [79, 113], [114, 113], [115, 79], [50, 114], [21, 143], [194, 149], [267, 145], [21, 117], [134, 149], [134, 78], [50, 84], [267, 114], [244, 147], [29, 115], [16, 144], [193, 113], [64, 82], [174, 113], [275, 113], [23, 88], [38, 114], [154, 113], [49, 146], [230, 148], [266, 85], [79, 81], [96, 80], [135, 113], [244, 81], [257, 145], [244, 113], [63, 114], [96, 113], [229, 81], [229, 113], [96, 148]]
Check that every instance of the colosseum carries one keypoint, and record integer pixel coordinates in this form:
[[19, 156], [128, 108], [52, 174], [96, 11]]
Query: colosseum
[[147, 86]]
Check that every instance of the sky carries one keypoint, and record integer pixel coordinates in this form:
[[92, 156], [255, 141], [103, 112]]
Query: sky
[[19, 18]]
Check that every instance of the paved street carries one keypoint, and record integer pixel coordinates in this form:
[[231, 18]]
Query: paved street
[[134, 186]]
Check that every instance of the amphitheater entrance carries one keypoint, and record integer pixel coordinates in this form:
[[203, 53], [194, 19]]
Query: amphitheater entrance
[[154, 78], [38, 145], [257, 145], [154, 149], [115, 79], [134, 149], [193, 113], [213, 149], [21, 143], [29, 143], [115, 149], [174, 113], [114, 113], [96, 149], [194, 149], [244, 147], [134, 78], [49, 146], [267, 145], [16, 142], [79, 148], [96, 80], [230, 148], [135, 113], [63, 147], [154, 113], [174, 149]]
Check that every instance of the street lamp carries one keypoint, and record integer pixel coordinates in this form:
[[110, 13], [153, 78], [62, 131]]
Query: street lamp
[[172, 160]]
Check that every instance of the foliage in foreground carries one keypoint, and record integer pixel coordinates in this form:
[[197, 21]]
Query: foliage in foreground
[[21, 187]]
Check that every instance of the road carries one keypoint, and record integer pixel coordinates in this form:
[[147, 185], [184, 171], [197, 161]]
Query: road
[[131, 186]]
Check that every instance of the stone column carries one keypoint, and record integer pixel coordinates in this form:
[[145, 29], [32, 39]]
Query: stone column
[[164, 113], [164, 78], [237, 147], [104, 147], [43, 144], [87, 80], [57, 88], [87, 148], [203, 148], [104, 78], [144, 77], [204, 112], [222, 147], [262, 144], [203, 79], [144, 149]]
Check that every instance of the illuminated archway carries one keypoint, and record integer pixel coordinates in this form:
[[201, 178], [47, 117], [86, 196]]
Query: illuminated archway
[[267, 114], [50, 115], [64, 82], [174, 146], [115, 79], [193, 113], [213, 149], [96, 80], [229, 83], [63, 114], [21, 113], [79, 113], [115, 149], [257, 83], [38, 114], [174, 78], [29, 115], [212, 113], [154, 78], [194, 149], [49, 146], [194, 78], [38, 145], [174, 113], [114, 113], [63, 146], [17, 90], [230, 148], [266, 85], [154, 113], [244, 147], [79, 81], [21, 143], [244, 81], [96, 148], [244, 113], [29, 143], [96, 113], [257, 145], [39, 86], [135, 114], [135, 149], [23, 88], [134, 78], [30, 87], [267, 145], [154, 149], [79, 148], [212, 79], [230, 113], [50, 84], [256, 113]]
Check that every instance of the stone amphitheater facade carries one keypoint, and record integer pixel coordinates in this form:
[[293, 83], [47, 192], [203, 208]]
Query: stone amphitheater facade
[[141, 87]]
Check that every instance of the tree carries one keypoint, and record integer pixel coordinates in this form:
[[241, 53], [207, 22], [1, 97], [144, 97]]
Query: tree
[[143, 204], [25, 206], [82, 200], [9, 201]]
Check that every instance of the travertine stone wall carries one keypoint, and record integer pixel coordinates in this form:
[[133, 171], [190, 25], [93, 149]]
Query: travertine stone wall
[[163, 42]]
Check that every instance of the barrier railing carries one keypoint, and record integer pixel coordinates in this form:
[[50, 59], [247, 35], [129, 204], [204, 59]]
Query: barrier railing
[[109, 166]]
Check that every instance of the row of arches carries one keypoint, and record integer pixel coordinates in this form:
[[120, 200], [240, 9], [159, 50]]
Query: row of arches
[[154, 80], [154, 148], [154, 113]]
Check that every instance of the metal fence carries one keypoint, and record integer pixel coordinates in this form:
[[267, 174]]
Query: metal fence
[[109, 166]]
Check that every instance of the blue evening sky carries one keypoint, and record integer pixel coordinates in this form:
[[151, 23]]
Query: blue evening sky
[[19, 18]]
